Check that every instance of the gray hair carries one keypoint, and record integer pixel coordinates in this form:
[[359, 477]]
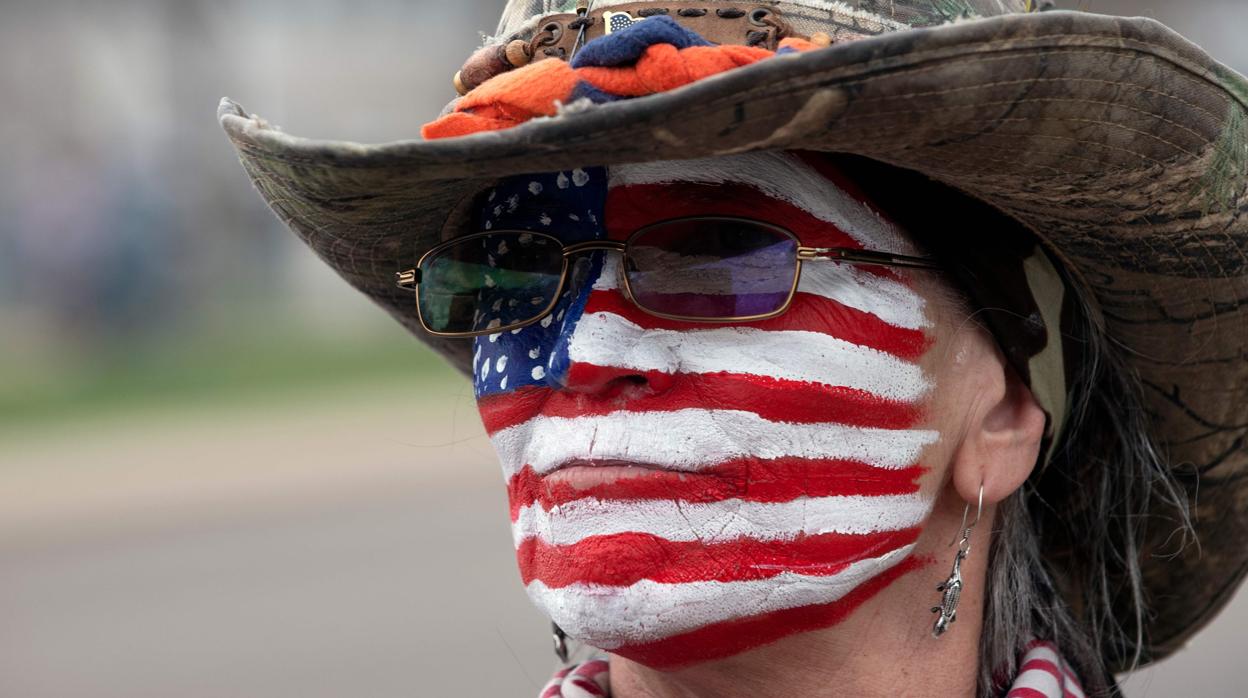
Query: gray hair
[[1093, 502]]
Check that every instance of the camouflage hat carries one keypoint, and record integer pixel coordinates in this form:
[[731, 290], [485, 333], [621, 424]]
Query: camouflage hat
[[1121, 145]]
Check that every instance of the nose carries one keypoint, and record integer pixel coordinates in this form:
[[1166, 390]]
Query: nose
[[602, 354]]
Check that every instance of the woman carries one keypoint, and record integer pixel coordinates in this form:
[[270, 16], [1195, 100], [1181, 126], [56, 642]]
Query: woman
[[739, 480]]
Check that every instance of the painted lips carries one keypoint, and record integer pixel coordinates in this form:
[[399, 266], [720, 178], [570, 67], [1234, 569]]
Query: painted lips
[[586, 473]]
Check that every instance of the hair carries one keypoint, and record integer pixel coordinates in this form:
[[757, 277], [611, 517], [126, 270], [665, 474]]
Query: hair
[[1064, 558], [1093, 502]]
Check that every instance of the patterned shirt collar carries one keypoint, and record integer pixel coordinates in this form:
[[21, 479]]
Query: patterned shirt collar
[[1042, 673]]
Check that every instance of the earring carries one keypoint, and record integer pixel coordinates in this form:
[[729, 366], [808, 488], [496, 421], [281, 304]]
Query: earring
[[561, 642], [951, 588]]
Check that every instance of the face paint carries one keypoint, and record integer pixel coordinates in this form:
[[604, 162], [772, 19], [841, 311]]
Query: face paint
[[764, 480]]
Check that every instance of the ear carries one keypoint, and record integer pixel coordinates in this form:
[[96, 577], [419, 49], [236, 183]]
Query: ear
[[1002, 437]]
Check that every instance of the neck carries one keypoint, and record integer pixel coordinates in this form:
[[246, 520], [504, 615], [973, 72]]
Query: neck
[[885, 648]]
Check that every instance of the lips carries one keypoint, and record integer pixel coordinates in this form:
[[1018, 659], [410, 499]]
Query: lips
[[619, 480], [599, 474]]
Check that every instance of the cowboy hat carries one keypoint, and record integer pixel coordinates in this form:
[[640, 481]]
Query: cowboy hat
[[1119, 144]]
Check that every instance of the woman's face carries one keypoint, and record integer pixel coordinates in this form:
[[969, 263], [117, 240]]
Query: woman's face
[[682, 491]]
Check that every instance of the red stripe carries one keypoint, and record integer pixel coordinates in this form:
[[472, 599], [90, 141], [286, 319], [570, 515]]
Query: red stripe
[[1051, 646], [1044, 665], [592, 668], [772, 399], [734, 636], [1026, 693], [808, 312], [637, 205], [627, 558], [588, 686], [553, 689], [748, 479]]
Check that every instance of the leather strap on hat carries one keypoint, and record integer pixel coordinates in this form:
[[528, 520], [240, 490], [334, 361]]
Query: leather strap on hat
[[734, 23]]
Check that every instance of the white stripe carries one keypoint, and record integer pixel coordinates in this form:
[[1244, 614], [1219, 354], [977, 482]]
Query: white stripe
[[1038, 680], [1042, 652], [780, 176], [890, 301], [692, 439], [718, 522], [607, 339], [610, 617], [1046, 653]]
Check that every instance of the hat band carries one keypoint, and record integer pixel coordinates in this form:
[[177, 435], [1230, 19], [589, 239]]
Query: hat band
[[558, 35], [742, 23]]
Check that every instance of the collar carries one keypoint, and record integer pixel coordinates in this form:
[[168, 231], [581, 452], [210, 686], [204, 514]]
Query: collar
[[1042, 673]]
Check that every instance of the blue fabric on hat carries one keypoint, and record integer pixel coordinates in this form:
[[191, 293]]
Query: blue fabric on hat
[[626, 45]]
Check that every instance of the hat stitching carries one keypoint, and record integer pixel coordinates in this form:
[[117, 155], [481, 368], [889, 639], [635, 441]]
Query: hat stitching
[[1013, 162], [1002, 83], [1230, 158], [886, 138], [1028, 100], [1080, 120]]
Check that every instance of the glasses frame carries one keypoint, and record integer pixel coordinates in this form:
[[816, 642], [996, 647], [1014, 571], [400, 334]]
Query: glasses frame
[[410, 279]]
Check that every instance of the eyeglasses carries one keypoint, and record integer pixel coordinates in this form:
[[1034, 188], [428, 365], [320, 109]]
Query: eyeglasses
[[696, 269]]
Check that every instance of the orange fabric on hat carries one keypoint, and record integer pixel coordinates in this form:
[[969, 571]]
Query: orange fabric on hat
[[506, 100], [799, 44], [662, 67], [512, 98]]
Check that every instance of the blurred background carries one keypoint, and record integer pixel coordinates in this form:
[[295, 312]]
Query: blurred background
[[222, 472]]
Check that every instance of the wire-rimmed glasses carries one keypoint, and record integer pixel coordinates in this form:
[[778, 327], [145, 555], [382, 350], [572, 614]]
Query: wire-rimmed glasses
[[713, 269]]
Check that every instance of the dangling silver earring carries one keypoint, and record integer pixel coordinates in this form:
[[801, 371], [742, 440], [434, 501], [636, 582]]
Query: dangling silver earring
[[952, 587], [561, 642]]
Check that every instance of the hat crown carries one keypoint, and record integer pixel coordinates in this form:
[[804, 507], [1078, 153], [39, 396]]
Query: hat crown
[[861, 16]]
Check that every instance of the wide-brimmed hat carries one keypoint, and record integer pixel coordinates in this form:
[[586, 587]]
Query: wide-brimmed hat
[[1121, 145]]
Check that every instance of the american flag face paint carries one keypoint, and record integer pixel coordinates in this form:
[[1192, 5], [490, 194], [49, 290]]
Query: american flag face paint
[[684, 491]]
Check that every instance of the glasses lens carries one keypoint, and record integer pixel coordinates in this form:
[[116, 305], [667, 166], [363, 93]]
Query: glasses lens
[[712, 268], [489, 281]]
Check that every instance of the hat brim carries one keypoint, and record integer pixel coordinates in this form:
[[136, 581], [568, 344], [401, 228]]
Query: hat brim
[[1120, 144]]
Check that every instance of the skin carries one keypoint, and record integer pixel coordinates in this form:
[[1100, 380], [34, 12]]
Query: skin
[[985, 426]]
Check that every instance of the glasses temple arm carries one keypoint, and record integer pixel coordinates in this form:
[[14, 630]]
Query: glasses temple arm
[[845, 254]]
